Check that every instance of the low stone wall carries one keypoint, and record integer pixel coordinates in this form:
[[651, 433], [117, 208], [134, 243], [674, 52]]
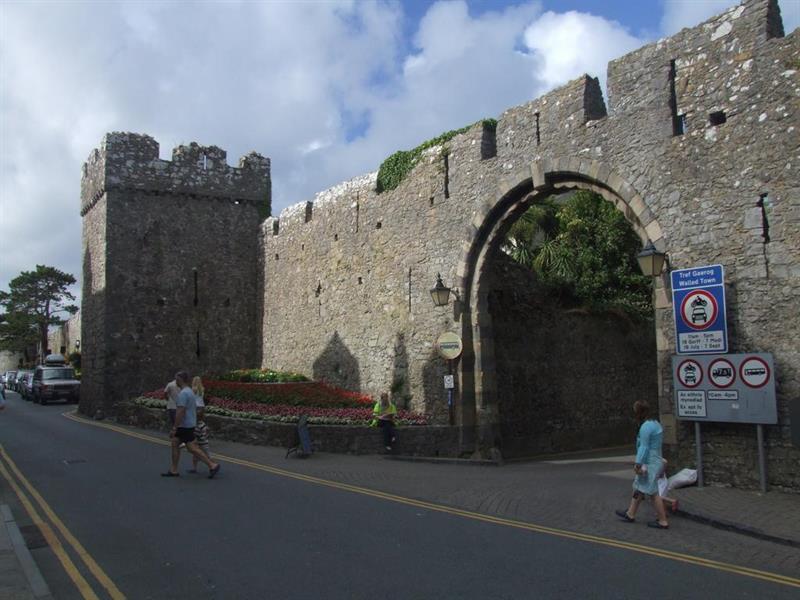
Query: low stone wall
[[341, 439]]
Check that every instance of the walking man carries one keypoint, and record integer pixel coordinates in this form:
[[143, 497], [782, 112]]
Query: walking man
[[183, 430], [171, 395]]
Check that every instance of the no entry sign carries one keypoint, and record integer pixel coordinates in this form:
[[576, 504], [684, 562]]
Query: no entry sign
[[698, 299]]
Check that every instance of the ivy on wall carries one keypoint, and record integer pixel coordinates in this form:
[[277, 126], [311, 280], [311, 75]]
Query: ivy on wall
[[395, 168]]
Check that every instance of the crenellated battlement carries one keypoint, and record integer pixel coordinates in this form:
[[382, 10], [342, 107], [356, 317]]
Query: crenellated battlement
[[131, 161]]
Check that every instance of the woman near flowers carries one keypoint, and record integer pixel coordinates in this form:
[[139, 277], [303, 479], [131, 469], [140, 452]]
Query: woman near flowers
[[649, 464], [383, 414]]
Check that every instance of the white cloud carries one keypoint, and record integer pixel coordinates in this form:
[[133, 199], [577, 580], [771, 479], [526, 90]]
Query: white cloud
[[570, 44], [325, 89]]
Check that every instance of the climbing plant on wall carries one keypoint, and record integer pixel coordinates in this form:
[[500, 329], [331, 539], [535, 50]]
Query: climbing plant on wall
[[395, 168]]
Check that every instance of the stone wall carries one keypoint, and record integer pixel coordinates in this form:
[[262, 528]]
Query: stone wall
[[411, 441], [566, 378], [698, 148], [347, 275], [170, 265]]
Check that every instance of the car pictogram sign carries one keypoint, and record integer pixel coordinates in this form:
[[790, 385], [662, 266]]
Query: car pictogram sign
[[721, 373], [754, 372], [699, 310], [690, 373]]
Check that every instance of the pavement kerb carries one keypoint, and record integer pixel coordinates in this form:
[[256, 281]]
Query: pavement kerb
[[467, 462], [38, 586], [735, 527]]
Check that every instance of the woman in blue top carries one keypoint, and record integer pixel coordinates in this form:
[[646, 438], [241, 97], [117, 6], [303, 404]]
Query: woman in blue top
[[648, 466]]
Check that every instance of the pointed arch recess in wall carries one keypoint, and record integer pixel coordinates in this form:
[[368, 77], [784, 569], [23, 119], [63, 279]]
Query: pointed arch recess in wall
[[515, 194]]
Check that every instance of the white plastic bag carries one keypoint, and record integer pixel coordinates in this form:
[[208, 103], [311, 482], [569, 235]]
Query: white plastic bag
[[681, 479], [663, 485]]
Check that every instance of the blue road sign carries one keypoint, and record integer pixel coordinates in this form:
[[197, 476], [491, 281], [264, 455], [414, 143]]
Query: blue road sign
[[698, 301]]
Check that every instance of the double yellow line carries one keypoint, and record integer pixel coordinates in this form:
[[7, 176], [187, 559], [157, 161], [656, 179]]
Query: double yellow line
[[36, 506], [676, 556]]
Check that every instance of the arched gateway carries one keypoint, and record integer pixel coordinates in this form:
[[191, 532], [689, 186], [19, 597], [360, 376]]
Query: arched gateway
[[698, 149], [517, 192]]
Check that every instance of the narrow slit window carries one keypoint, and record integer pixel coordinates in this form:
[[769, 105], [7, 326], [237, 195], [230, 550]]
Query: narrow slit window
[[447, 175], [538, 135], [378, 225], [197, 343], [678, 121]]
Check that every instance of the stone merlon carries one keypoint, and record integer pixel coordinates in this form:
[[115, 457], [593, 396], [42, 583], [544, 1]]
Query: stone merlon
[[130, 161]]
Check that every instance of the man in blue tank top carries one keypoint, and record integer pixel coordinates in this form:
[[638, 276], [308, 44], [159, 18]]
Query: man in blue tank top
[[183, 430]]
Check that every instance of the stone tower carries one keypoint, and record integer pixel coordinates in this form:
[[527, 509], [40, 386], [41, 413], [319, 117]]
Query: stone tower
[[170, 265]]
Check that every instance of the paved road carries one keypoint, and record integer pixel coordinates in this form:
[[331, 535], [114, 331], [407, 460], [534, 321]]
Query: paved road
[[257, 532]]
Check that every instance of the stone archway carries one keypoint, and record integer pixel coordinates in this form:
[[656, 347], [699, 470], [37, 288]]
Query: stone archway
[[478, 403]]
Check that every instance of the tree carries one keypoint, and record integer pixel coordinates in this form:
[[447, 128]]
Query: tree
[[32, 304], [584, 252]]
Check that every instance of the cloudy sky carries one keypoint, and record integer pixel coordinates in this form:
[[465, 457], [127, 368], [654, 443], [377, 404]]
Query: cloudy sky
[[326, 89]]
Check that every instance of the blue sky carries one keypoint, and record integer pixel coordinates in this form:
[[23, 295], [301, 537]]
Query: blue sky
[[326, 89]]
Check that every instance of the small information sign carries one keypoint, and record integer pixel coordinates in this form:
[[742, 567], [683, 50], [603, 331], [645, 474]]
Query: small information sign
[[691, 403], [449, 382], [698, 299]]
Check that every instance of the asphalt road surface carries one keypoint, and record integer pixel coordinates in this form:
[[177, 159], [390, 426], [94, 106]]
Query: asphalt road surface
[[260, 532]]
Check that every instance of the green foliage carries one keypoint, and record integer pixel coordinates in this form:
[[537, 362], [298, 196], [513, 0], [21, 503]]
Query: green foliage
[[262, 376], [395, 168], [490, 124], [33, 301], [584, 252]]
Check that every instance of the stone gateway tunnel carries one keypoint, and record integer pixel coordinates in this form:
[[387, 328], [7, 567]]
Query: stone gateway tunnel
[[698, 148]]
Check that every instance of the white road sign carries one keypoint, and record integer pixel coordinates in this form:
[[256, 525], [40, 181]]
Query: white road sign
[[690, 373], [754, 372], [691, 403], [721, 373]]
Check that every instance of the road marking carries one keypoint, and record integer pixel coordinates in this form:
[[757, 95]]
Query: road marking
[[52, 539], [668, 554], [87, 559]]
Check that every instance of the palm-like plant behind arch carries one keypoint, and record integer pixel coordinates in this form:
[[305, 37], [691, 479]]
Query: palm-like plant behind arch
[[584, 252]]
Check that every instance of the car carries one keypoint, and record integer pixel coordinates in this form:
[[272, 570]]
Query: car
[[11, 378], [26, 385], [699, 314], [18, 383], [54, 382]]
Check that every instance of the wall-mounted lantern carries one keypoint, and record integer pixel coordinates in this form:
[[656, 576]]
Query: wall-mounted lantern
[[651, 261], [77, 344], [441, 293]]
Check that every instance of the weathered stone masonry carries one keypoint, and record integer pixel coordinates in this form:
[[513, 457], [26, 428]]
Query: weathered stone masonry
[[170, 274], [699, 126]]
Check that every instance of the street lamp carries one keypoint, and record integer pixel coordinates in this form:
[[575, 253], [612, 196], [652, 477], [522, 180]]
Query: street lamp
[[440, 292], [651, 261], [77, 344]]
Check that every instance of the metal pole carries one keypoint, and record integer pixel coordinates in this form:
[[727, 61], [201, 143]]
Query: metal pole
[[762, 458], [698, 444], [450, 408]]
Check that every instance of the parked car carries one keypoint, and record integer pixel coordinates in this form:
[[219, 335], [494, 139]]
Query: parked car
[[11, 378], [26, 385], [18, 384], [54, 382]]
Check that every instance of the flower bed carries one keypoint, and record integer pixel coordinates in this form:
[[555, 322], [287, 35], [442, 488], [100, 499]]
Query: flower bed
[[284, 413], [287, 402], [291, 394]]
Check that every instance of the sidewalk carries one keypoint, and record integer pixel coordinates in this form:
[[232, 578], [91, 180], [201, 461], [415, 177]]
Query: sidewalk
[[20, 578], [774, 516]]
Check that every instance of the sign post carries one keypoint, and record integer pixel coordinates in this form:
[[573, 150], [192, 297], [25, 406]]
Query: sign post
[[736, 388], [449, 347], [698, 301]]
